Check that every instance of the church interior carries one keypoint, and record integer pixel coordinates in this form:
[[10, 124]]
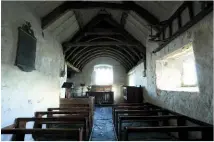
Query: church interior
[[107, 71]]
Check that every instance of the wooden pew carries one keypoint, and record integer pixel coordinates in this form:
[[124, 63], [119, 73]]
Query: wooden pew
[[145, 119], [75, 109], [207, 131], [135, 112], [165, 121], [79, 102], [66, 103], [135, 107], [74, 115], [20, 130]]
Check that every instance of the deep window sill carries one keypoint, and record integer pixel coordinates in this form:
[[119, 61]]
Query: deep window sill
[[181, 89]]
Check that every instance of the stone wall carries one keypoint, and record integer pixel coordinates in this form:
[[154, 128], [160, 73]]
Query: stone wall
[[86, 76], [193, 104], [198, 105], [23, 93], [136, 76]]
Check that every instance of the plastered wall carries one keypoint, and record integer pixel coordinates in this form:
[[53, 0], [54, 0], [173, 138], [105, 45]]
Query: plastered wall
[[87, 77], [136, 76], [198, 105], [23, 93]]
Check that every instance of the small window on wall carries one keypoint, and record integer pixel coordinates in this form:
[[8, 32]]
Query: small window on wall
[[177, 71], [103, 74]]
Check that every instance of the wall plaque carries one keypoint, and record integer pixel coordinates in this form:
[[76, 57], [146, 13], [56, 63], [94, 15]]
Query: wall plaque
[[26, 51]]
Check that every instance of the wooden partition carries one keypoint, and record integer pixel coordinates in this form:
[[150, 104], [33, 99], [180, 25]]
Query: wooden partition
[[155, 124], [81, 102], [102, 97], [65, 103]]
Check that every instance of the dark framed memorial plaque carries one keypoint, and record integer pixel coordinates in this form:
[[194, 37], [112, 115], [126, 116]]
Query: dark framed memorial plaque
[[26, 51]]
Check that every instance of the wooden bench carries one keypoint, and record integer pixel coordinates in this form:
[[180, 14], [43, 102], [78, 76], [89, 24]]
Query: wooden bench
[[207, 131], [70, 114], [136, 113], [135, 107], [19, 128], [79, 102], [146, 119], [19, 132], [77, 110], [162, 118]]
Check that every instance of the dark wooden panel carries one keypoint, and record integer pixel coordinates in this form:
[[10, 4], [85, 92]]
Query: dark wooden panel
[[26, 51], [102, 97]]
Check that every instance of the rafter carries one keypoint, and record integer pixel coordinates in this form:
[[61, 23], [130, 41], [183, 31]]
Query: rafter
[[107, 52], [69, 5], [133, 54], [94, 55], [106, 43], [110, 33], [72, 67], [120, 53], [130, 53], [71, 54], [128, 37], [103, 55], [123, 19]]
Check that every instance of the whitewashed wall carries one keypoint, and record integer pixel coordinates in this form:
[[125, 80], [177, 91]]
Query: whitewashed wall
[[23, 93]]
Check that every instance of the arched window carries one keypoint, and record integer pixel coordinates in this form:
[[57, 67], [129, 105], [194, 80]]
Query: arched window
[[103, 74]]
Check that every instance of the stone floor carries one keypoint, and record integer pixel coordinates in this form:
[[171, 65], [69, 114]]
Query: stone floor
[[103, 129]]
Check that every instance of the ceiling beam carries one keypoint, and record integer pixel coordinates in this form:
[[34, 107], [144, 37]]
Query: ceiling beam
[[128, 37], [123, 19], [133, 53], [72, 67], [107, 52], [95, 55], [129, 52], [72, 53], [103, 55], [110, 33], [122, 54], [106, 43], [126, 34], [69, 5]]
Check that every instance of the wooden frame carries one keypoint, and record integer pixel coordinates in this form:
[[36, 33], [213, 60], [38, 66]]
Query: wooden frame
[[146, 118], [22, 132], [207, 131], [20, 126], [76, 110], [135, 112]]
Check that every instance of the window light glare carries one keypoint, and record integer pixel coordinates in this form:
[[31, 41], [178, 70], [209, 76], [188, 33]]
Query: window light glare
[[103, 74]]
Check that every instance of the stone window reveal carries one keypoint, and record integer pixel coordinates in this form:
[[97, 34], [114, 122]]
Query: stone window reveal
[[177, 71]]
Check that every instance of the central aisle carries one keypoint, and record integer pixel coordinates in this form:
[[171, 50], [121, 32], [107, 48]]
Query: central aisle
[[103, 129]]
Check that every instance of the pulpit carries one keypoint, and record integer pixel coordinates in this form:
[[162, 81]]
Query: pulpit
[[68, 87]]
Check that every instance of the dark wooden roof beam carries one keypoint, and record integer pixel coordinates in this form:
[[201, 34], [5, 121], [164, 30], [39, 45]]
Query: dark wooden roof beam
[[100, 44], [69, 5]]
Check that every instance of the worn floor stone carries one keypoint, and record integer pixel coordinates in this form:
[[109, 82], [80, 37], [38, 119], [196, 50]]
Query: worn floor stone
[[103, 129]]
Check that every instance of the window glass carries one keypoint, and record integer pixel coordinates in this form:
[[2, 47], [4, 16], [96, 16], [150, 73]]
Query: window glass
[[189, 77], [103, 74], [177, 72]]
